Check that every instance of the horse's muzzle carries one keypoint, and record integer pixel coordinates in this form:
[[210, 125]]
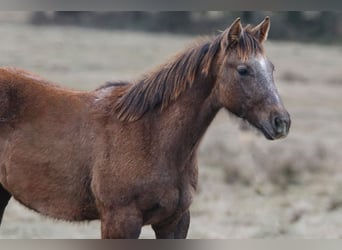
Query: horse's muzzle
[[281, 126], [276, 127]]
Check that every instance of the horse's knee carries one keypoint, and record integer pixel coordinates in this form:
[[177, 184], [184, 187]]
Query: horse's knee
[[173, 229], [122, 223]]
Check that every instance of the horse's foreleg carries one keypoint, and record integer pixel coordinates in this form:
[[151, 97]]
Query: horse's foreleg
[[183, 226], [120, 223], [4, 198], [177, 229]]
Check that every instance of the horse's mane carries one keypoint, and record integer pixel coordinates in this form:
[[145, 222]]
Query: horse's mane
[[165, 84]]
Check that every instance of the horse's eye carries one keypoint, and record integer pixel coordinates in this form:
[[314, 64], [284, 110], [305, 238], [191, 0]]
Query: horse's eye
[[242, 69]]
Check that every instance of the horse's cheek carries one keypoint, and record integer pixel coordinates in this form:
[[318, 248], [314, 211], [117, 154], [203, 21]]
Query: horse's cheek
[[224, 95]]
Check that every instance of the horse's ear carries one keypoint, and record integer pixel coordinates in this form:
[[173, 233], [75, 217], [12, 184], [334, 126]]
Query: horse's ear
[[261, 31], [232, 34]]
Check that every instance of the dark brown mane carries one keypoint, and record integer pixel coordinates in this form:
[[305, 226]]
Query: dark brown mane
[[166, 83]]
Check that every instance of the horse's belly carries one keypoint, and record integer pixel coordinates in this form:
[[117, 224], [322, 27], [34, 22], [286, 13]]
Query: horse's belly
[[61, 202], [55, 189]]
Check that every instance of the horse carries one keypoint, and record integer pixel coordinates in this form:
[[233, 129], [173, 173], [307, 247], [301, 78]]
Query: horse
[[125, 153]]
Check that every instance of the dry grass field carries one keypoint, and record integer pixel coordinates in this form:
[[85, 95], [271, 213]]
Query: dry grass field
[[248, 187]]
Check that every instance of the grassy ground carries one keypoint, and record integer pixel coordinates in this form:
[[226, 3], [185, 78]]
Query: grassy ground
[[249, 187]]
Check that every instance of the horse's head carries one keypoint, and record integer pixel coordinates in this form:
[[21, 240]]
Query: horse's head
[[245, 80]]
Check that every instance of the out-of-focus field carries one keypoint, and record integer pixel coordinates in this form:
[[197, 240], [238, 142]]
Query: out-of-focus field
[[248, 187]]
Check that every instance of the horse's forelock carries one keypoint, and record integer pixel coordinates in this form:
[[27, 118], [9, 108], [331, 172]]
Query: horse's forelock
[[247, 45]]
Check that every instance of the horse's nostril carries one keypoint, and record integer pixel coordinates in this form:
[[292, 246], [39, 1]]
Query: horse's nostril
[[277, 121], [280, 125]]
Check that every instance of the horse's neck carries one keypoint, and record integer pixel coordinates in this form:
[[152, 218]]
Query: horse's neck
[[189, 117]]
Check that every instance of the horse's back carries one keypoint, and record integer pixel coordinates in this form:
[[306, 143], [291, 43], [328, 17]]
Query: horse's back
[[25, 96]]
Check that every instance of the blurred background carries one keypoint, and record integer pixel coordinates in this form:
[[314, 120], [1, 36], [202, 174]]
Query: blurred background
[[248, 187], [304, 26]]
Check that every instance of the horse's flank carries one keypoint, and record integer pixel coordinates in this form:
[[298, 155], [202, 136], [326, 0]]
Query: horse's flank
[[52, 126]]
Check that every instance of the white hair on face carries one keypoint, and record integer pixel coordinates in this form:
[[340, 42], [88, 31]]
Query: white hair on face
[[262, 62]]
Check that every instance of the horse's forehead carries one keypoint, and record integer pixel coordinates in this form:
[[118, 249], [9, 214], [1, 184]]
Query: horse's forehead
[[262, 62]]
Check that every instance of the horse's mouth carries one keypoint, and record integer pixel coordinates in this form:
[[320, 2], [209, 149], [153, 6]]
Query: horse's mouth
[[269, 135]]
